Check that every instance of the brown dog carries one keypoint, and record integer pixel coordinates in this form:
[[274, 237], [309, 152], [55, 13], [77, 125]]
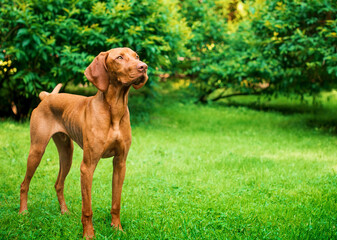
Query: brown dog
[[100, 125]]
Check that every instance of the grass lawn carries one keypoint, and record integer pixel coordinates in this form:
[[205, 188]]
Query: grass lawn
[[233, 170]]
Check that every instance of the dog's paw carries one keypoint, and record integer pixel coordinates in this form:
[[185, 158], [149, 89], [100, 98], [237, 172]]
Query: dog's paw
[[23, 212], [88, 233], [117, 226], [65, 211]]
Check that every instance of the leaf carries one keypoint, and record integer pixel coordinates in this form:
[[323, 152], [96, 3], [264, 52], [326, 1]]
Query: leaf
[[25, 42], [36, 39], [22, 31]]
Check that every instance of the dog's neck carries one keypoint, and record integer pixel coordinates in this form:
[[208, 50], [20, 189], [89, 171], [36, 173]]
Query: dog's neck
[[116, 97]]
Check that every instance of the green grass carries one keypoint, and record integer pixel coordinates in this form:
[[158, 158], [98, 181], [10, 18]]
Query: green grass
[[235, 171]]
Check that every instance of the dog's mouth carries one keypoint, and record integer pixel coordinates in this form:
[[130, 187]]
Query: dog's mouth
[[141, 78]]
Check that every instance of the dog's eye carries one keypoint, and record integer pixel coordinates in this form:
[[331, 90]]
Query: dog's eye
[[137, 57], [119, 57]]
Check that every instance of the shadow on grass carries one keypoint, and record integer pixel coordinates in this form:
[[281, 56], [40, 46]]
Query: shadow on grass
[[141, 107], [327, 123], [316, 116], [285, 109]]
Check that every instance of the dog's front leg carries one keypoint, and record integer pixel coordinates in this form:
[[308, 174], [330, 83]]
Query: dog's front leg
[[119, 167], [88, 166]]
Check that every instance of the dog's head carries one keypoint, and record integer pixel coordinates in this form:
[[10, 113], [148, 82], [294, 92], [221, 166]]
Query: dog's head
[[118, 64]]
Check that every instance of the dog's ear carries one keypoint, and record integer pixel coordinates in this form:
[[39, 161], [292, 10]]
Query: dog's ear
[[139, 85], [97, 72]]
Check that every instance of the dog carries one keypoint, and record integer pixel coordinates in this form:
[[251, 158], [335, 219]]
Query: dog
[[100, 125]]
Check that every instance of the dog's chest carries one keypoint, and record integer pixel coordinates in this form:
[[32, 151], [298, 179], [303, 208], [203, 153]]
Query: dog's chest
[[115, 141]]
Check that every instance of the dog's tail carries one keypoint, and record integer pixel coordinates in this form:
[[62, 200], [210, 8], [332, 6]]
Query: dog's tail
[[44, 94]]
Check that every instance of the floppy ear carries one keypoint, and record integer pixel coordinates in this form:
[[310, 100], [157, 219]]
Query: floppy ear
[[97, 72], [139, 85]]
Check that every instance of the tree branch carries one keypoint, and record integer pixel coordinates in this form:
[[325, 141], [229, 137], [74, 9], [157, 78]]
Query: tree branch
[[235, 94]]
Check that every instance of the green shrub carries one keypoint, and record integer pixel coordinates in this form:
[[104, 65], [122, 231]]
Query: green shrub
[[46, 42], [287, 46], [272, 46]]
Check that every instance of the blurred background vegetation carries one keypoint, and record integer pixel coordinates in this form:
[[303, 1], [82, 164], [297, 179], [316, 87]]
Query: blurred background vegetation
[[222, 48]]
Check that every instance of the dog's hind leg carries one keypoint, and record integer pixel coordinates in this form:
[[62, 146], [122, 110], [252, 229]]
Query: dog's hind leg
[[39, 140], [65, 149]]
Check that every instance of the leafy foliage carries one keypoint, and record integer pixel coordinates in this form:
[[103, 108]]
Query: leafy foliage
[[227, 47], [280, 47], [46, 42]]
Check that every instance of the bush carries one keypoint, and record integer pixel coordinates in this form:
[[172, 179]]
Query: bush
[[265, 46], [46, 42], [286, 47]]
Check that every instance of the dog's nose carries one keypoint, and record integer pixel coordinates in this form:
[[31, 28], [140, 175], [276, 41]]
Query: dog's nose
[[142, 67]]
